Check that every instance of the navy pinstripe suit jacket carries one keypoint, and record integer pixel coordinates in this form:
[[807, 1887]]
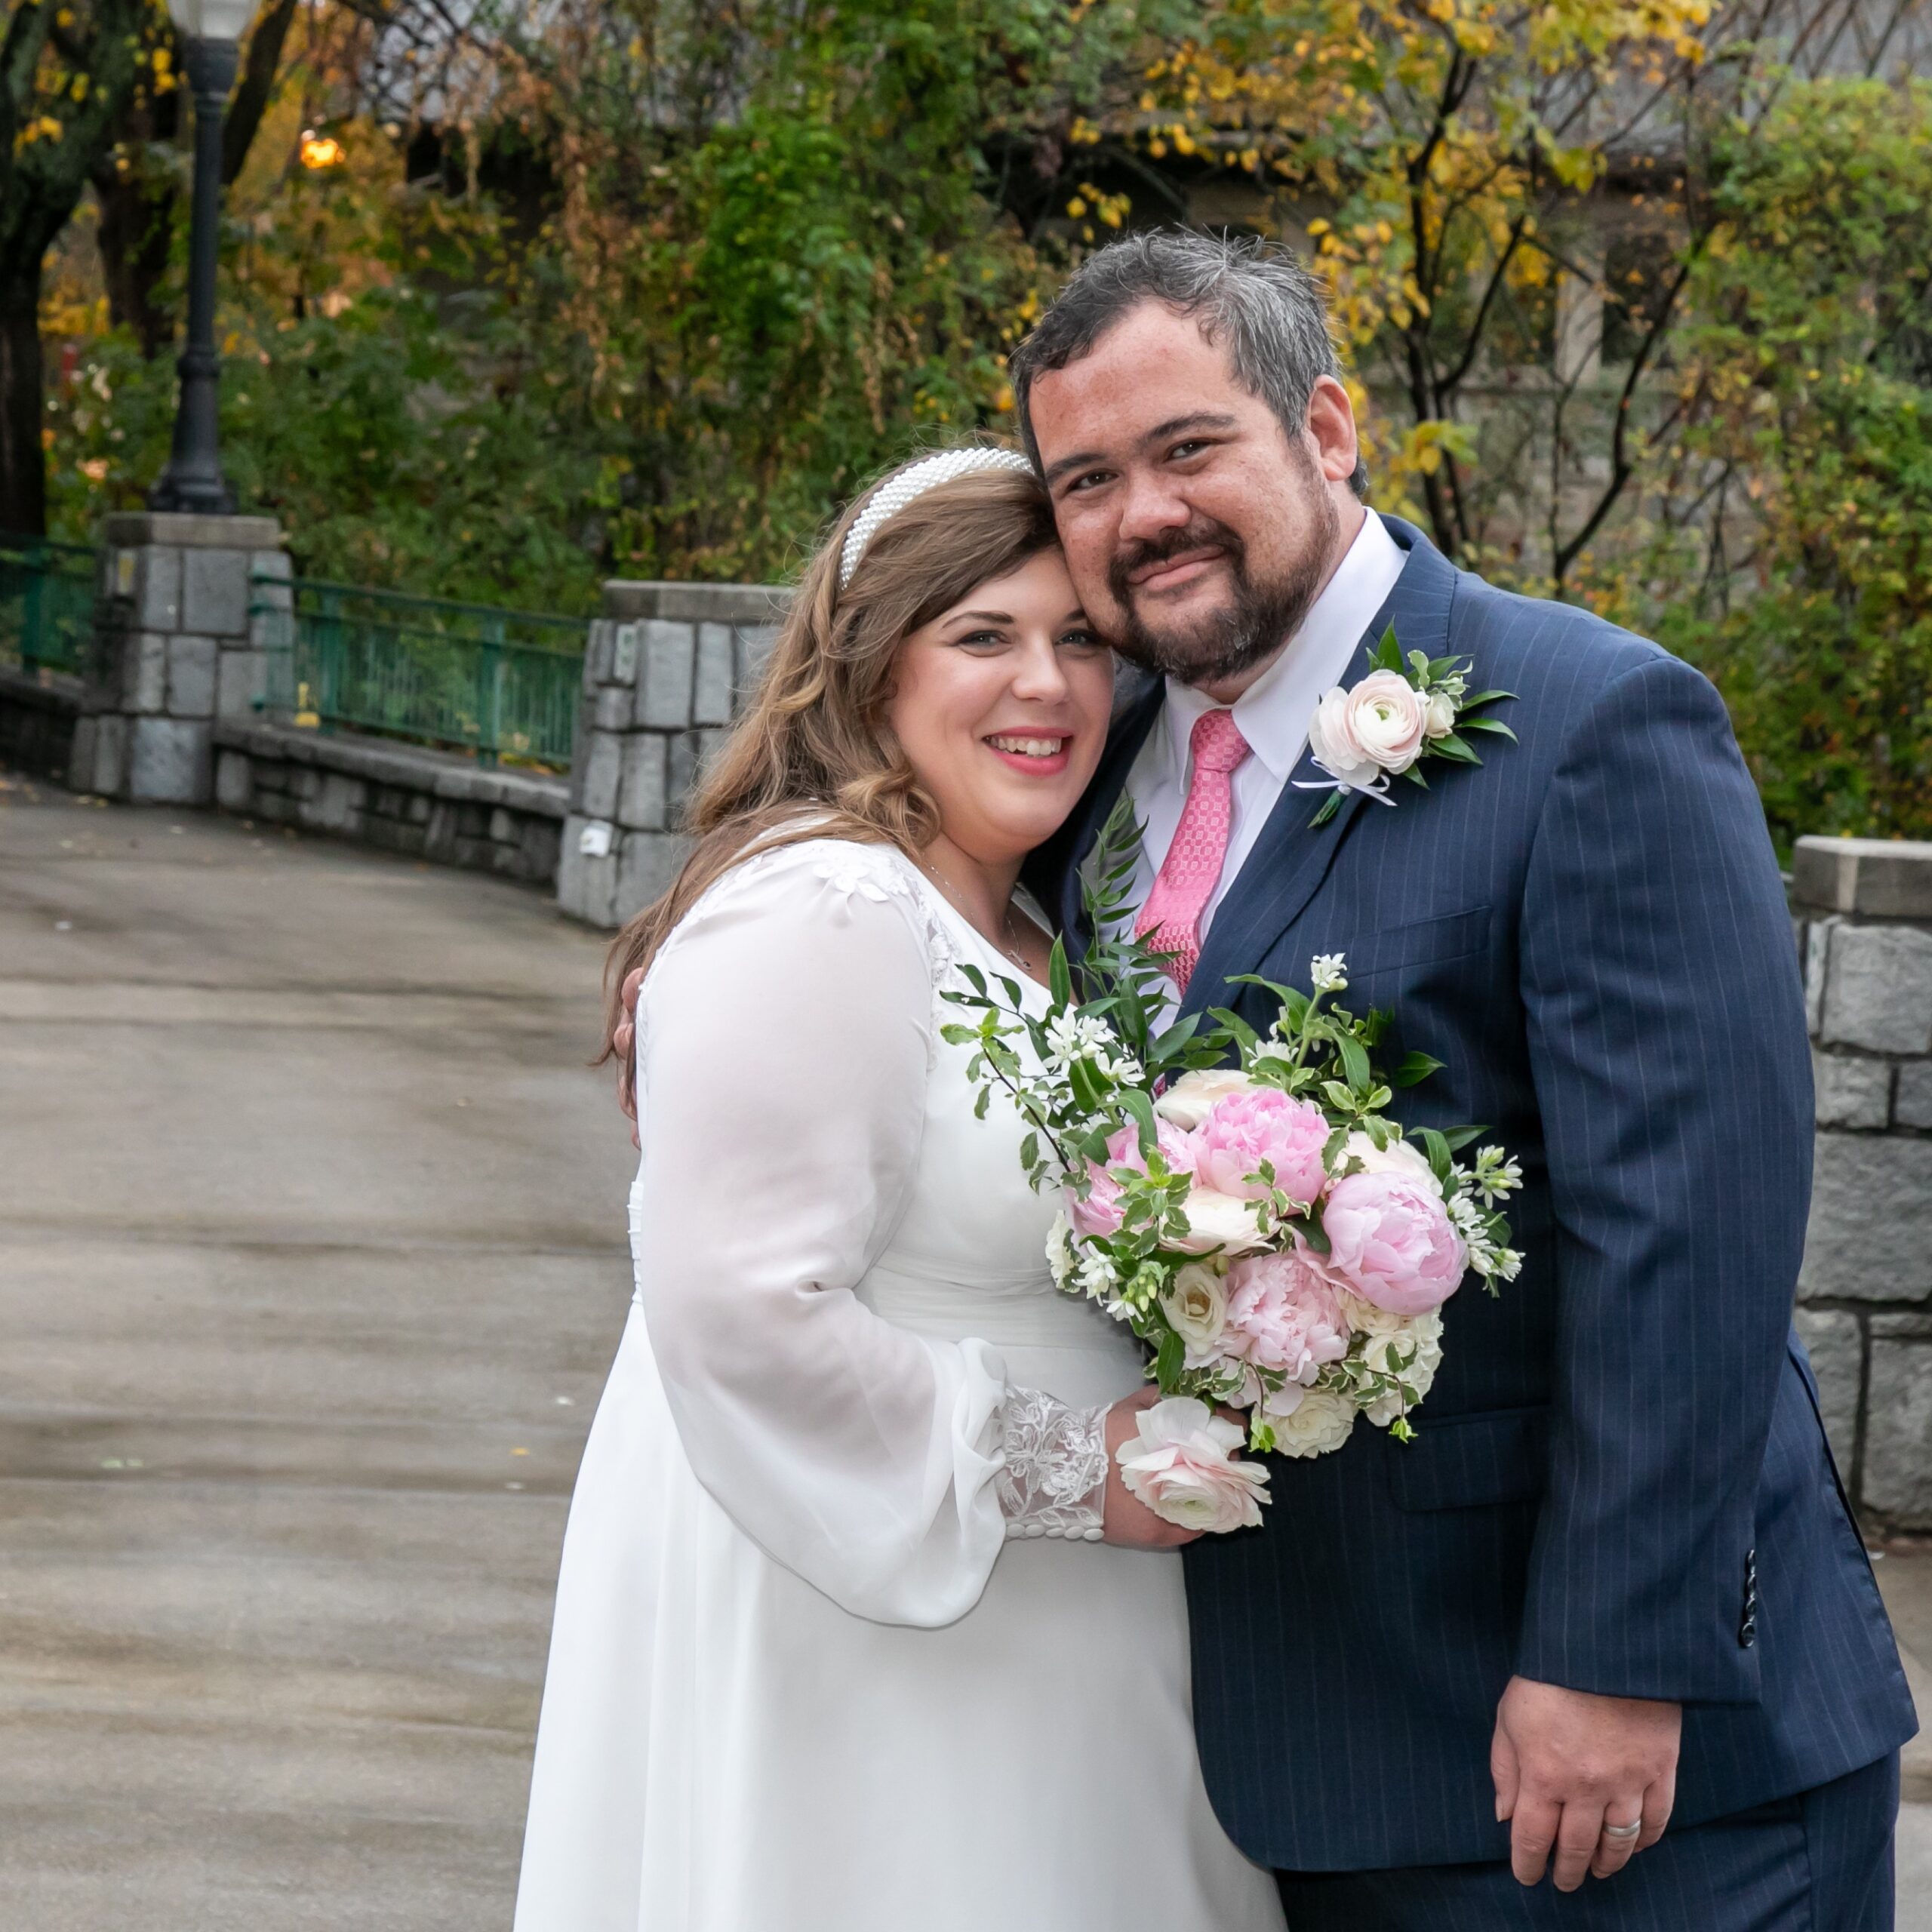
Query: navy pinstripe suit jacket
[[1620, 1482]]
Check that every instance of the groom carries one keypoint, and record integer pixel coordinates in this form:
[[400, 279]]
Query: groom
[[1614, 1584]]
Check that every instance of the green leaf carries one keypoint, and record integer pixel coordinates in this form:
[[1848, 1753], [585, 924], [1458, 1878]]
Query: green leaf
[[1455, 748], [1437, 1147], [1457, 1138], [1169, 1360], [1234, 1024], [1330, 806], [1355, 1062], [1060, 975], [1088, 1094], [973, 978], [1137, 1104], [1413, 774], [1029, 1150], [1177, 1036], [1483, 697], [1387, 655], [1416, 1068], [1495, 724]]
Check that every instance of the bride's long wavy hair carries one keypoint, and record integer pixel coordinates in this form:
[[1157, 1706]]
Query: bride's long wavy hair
[[812, 755]]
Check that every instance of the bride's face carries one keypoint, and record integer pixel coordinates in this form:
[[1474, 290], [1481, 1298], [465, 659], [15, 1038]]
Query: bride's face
[[1001, 704]]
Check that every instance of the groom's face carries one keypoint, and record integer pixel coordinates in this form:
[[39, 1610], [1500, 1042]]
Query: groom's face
[[1197, 531]]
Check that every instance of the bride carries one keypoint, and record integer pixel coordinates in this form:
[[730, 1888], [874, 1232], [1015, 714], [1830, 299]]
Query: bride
[[847, 1639]]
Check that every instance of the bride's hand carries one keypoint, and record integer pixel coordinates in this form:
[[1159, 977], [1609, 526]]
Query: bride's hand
[[623, 1038], [1124, 1518]]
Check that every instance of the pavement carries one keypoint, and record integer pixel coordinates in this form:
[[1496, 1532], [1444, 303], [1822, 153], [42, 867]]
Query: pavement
[[312, 1262], [311, 1266]]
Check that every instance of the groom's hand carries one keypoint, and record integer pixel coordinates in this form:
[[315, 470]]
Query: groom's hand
[[1124, 1518], [1567, 1762], [622, 1039]]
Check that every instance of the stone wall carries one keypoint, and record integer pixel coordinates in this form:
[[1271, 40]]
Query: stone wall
[[662, 677], [178, 609], [401, 797], [1863, 908], [38, 710]]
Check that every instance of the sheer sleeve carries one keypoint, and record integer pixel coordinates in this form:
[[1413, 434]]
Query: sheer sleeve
[[784, 1038]]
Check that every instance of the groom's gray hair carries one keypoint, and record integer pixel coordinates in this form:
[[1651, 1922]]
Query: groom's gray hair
[[1253, 296]]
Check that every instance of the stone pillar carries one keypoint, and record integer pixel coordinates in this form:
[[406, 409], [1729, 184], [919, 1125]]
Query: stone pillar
[[1864, 911], [662, 673], [178, 642]]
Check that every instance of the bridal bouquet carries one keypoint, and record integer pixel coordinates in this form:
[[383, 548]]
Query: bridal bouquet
[[1281, 1245]]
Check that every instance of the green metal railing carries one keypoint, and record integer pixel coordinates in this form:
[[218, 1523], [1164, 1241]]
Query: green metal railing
[[46, 603], [500, 683]]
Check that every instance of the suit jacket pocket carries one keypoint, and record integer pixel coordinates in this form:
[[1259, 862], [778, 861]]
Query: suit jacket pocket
[[1433, 941], [1461, 1462]]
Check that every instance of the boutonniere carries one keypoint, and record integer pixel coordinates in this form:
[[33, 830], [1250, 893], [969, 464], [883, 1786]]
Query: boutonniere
[[1402, 712]]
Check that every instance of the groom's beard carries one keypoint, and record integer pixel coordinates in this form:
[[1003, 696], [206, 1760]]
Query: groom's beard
[[1264, 614]]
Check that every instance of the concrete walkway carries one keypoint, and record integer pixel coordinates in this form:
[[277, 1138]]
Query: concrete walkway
[[311, 1264]]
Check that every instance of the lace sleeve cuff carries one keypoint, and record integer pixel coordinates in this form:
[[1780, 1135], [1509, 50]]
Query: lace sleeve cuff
[[1054, 1478]]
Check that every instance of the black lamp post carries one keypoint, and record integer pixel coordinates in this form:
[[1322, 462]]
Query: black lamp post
[[192, 480]]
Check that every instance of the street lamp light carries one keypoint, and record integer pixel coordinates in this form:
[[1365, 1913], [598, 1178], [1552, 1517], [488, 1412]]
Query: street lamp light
[[193, 481]]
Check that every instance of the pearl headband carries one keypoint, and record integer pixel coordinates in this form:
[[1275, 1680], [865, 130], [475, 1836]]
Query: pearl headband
[[893, 496]]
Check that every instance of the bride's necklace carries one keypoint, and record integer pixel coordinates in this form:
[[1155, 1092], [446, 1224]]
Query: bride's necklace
[[1005, 941]]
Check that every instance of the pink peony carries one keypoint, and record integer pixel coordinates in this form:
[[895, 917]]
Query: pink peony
[[1282, 1314], [1100, 1213], [1244, 1130], [1391, 1241]]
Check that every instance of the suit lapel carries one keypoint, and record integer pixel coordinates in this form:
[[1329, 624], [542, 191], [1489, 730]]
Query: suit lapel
[[1290, 859]]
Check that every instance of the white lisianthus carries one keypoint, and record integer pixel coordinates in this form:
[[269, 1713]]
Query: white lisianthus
[[1191, 1099], [1319, 1423], [1439, 714], [1224, 1221], [1196, 1303], [1399, 1157], [1181, 1463]]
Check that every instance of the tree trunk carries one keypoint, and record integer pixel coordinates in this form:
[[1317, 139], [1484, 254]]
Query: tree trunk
[[23, 461], [136, 228]]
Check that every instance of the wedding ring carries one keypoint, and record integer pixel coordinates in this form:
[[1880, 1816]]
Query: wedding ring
[[1610, 1831]]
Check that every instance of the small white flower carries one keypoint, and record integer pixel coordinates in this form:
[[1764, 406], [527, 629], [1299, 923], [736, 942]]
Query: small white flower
[[1328, 973], [1495, 1175], [1095, 1273]]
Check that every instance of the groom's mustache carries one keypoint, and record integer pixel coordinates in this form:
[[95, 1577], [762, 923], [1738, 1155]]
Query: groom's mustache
[[1198, 533]]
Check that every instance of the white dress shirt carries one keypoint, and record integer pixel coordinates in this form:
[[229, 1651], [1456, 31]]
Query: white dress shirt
[[1274, 714]]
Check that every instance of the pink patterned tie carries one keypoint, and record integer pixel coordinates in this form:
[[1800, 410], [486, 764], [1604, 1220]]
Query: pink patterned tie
[[1193, 868]]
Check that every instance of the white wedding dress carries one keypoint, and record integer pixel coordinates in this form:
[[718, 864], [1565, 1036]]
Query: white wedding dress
[[807, 1674]]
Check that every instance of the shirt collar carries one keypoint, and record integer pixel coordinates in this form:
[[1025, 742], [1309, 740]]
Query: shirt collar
[[1275, 711]]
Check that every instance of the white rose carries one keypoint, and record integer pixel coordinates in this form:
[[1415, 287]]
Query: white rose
[[1196, 1303], [1189, 1100], [1320, 1422], [1225, 1221], [1423, 1334], [1439, 714], [1399, 1157], [1179, 1462]]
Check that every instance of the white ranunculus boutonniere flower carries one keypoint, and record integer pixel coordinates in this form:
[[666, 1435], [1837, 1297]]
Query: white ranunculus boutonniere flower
[[1404, 711]]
